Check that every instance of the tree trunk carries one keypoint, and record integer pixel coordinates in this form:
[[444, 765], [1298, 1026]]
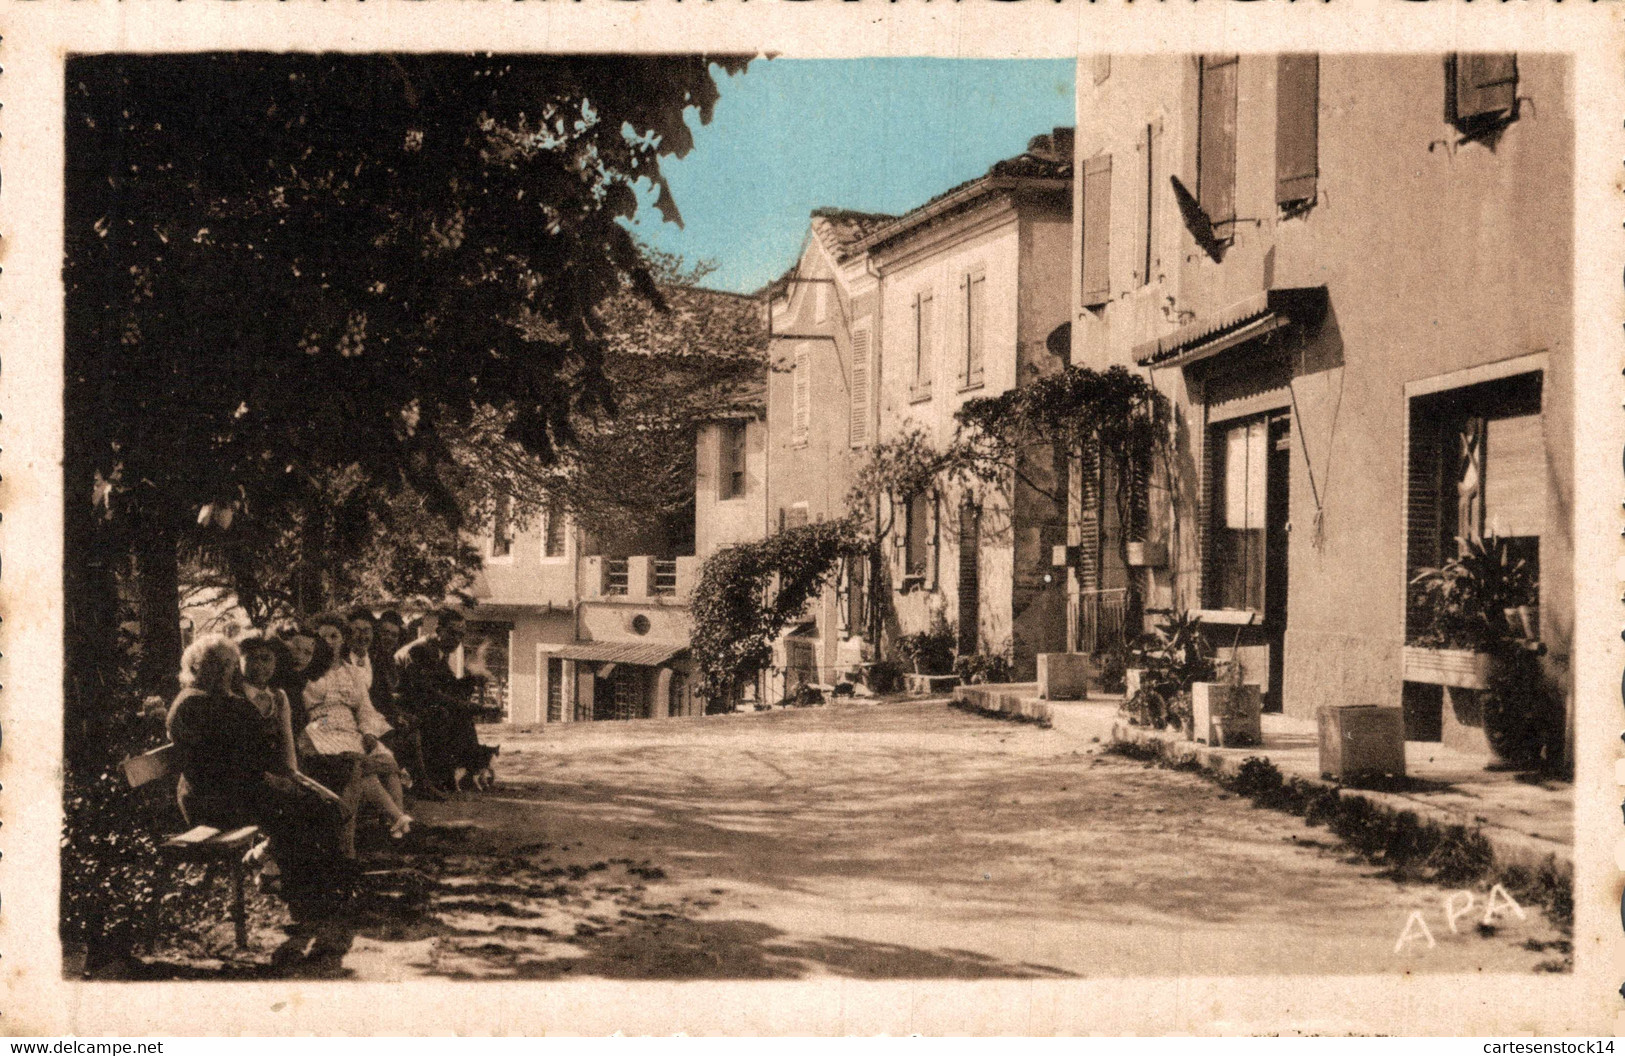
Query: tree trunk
[[310, 584], [91, 623], [158, 601]]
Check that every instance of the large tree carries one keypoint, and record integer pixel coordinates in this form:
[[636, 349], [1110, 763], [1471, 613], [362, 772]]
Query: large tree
[[282, 268]]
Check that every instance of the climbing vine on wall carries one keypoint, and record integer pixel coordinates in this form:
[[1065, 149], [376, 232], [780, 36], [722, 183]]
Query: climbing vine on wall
[[748, 594]]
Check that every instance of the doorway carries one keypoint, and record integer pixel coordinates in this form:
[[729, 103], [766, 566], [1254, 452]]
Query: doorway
[[1277, 536]]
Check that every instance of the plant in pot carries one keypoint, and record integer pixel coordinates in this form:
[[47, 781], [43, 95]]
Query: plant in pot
[[1227, 709], [1481, 605], [929, 652], [1172, 660]]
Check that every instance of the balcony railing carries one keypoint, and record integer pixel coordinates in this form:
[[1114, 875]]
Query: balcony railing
[[665, 577], [617, 576], [1102, 615]]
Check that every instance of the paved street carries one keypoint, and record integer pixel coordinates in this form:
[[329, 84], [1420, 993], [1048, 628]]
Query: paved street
[[889, 841]]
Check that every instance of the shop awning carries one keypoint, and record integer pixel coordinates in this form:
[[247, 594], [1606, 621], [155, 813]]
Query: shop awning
[[1244, 321], [643, 654]]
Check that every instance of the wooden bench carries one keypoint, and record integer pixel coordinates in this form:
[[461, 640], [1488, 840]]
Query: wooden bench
[[202, 843]]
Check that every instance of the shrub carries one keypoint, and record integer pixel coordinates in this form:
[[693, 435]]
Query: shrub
[[979, 668], [883, 677], [929, 652], [1112, 665], [1256, 778]]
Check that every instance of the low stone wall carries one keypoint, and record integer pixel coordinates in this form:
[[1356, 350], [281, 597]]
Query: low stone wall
[[1015, 700]]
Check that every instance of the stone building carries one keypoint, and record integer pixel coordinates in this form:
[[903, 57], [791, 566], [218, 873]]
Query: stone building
[[1352, 276]]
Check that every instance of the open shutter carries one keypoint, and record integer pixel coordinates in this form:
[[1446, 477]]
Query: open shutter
[[802, 389], [934, 539], [1097, 220], [926, 338], [858, 425], [1089, 524], [1297, 127], [975, 325], [1212, 474], [1480, 86], [1216, 139]]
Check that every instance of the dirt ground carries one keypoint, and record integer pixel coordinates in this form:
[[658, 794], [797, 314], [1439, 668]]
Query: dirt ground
[[871, 841]]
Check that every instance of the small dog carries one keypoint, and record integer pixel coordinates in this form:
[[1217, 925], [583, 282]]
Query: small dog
[[479, 777]]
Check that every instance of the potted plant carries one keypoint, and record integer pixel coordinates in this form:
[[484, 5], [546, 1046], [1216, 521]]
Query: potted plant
[[1475, 621], [1464, 613], [1227, 711], [1168, 664]]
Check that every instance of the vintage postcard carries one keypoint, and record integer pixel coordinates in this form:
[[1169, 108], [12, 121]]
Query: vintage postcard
[[811, 518]]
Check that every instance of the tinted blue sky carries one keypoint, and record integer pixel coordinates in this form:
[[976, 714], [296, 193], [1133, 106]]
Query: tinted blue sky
[[877, 135]]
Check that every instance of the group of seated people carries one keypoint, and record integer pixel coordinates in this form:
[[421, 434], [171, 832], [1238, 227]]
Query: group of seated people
[[295, 729]]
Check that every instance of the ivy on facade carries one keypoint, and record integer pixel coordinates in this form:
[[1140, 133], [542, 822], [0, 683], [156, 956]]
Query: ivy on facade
[[749, 593]]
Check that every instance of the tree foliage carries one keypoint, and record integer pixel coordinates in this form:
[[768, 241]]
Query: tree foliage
[[748, 594], [284, 269]]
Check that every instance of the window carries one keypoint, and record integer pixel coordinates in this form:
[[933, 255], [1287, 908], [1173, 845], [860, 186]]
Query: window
[[502, 527], [793, 516], [1480, 92], [731, 472], [858, 423], [1097, 224], [1476, 468], [1297, 128], [1147, 262], [1216, 139], [919, 536], [1238, 467], [821, 302], [553, 534], [924, 335], [973, 291], [485, 656]]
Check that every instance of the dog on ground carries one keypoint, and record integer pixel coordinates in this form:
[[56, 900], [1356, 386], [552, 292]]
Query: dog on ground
[[479, 776]]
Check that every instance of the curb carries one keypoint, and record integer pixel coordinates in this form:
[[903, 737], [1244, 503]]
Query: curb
[[1510, 846], [1003, 704]]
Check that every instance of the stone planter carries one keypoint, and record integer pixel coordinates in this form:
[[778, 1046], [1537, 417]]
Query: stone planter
[[1227, 715], [1361, 741], [1456, 668]]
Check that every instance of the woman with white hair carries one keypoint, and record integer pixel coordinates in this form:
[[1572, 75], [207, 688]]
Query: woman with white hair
[[234, 771]]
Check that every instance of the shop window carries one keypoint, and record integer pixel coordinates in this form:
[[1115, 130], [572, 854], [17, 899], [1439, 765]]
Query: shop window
[[1216, 138], [485, 656], [1476, 468], [1238, 488], [1297, 129]]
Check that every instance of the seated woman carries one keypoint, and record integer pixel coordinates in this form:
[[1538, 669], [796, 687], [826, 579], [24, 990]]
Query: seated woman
[[344, 728], [234, 771]]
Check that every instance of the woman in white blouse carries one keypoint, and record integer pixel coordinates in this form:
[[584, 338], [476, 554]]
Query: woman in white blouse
[[343, 722]]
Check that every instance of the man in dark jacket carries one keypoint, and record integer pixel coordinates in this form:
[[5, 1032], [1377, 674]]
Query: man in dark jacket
[[439, 700]]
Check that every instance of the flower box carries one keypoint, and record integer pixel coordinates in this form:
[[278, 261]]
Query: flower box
[[1227, 715], [1457, 668]]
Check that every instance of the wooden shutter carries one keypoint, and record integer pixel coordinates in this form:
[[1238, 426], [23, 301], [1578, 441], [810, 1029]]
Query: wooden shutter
[[1424, 489], [1297, 127], [1212, 476], [1090, 493], [969, 578], [858, 423], [1216, 139], [924, 336], [975, 325], [1515, 476], [1097, 221], [934, 535], [1480, 86], [802, 389]]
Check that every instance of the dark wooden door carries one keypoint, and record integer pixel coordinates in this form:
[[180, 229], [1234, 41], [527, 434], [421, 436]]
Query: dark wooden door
[[1277, 528]]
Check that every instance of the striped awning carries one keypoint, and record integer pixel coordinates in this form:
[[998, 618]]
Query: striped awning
[[643, 654], [1236, 325]]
